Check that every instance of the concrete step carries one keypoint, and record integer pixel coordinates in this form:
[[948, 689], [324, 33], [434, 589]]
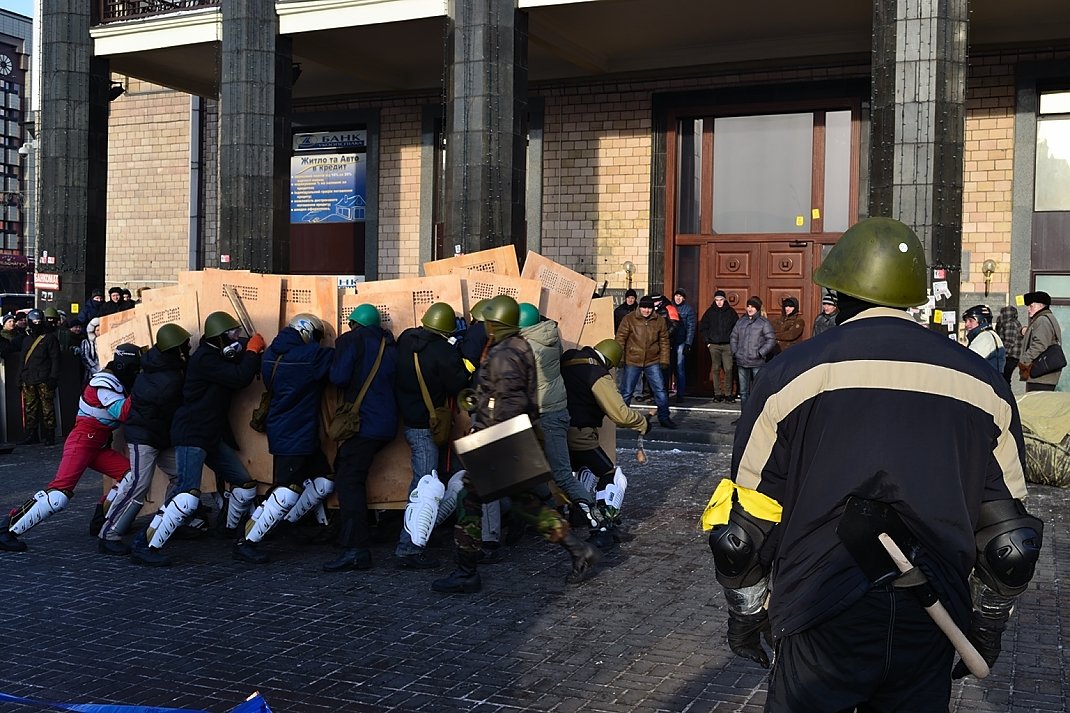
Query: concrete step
[[702, 425]]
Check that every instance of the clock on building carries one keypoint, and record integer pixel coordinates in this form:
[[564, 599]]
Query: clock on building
[[6, 65]]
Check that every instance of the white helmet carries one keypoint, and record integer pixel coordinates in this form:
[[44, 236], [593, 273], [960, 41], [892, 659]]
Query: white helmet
[[309, 326]]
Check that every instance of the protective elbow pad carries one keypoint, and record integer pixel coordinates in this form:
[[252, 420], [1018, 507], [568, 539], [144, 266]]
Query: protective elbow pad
[[1008, 546], [737, 547]]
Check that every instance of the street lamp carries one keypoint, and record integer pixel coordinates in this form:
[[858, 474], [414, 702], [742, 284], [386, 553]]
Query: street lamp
[[629, 268], [988, 267]]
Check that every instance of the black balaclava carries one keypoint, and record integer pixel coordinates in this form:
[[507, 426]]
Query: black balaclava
[[851, 306]]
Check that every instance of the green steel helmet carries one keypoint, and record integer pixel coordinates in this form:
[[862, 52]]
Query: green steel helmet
[[51, 313], [610, 349], [366, 315], [219, 322], [440, 318], [503, 310], [477, 310], [529, 314], [170, 335], [879, 260]]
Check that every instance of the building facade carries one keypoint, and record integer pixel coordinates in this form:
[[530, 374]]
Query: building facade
[[709, 147], [16, 157]]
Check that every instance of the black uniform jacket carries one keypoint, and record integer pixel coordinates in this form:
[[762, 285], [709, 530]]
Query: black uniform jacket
[[155, 397], [203, 419], [878, 393]]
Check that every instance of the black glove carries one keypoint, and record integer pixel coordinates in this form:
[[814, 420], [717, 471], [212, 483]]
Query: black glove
[[687, 349], [745, 632], [986, 634]]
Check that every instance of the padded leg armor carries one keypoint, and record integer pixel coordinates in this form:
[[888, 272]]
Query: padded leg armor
[[119, 491], [1008, 547], [239, 503], [743, 572], [315, 492], [279, 502], [451, 498], [44, 504], [166, 521], [422, 510]]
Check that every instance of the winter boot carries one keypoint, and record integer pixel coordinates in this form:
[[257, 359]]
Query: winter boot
[[245, 551], [142, 554], [8, 541], [30, 439], [97, 521], [48, 436], [113, 547], [584, 558], [350, 559], [464, 579]]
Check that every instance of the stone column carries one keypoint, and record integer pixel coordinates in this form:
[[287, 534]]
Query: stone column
[[919, 114], [73, 135], [256, 78], [486, 125]]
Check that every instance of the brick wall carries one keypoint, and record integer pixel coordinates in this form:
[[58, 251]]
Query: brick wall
[[399, 191], [148, 185]]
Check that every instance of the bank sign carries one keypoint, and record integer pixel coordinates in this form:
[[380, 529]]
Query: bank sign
[[329, 140], [328, 188]]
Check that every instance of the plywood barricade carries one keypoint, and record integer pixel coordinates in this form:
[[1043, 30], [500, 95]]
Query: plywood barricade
[[128, 326], [484, 285], [598, 325], [566, 295], [499, 261]]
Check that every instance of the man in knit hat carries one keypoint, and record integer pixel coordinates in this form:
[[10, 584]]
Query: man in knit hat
[[827, 319], [753, 342]]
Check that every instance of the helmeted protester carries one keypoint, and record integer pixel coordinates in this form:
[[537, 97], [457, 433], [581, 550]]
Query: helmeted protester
[[592, 396], [506, 387], [1010, 331], [1042, 332], [155, 397], [982, 338], [443, 373], [716, 331], [365, 368], [545, 340], [826, 320], [474, 342], [789, 326], [753, 342], [221, 365], [104, 405], [820, 469], [294, 368], [39, 377]]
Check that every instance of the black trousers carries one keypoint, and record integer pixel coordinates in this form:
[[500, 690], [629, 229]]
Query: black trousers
[[351, 467], [882, 654]]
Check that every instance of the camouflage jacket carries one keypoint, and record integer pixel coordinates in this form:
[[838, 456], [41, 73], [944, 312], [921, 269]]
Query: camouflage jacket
[[506, 383]]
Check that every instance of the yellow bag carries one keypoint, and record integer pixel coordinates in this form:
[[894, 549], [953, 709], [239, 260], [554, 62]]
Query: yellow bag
[[440, 419], [258, 421]]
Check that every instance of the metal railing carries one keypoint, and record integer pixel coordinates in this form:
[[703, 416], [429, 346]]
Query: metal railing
[[119, 10]]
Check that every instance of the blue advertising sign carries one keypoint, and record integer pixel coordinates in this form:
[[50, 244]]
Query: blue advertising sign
[[321, 140], [328, 188]]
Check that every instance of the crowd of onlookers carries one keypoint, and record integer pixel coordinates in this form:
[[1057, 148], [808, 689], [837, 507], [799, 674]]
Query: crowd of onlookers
[[657, 334]]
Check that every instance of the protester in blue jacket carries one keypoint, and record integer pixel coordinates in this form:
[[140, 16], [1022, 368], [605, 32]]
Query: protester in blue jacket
[[294, 369], [365, 360]]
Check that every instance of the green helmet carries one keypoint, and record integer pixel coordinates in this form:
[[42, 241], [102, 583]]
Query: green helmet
[[477, 310], [879, 260], [366, 315], [440, 318], [504, 310], [610, 349], [219, 322], [529, 315], [51, 313], [169, 336]]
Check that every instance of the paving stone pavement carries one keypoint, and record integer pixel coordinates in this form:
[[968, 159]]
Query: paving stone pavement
[[647, 634]]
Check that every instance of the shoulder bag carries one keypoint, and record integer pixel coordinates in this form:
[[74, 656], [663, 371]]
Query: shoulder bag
[[440, 419], [258, 421], [346, 420], [1051, 359]]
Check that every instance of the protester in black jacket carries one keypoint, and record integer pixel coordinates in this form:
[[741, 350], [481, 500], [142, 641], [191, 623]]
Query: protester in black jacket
[[716, 330], [155, 397], [39, 376], [630, 303], [444, 374]]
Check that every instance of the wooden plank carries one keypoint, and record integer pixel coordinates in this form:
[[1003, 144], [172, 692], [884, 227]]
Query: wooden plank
[[314, 294], [262, 297], [485, 285], [402, 303], [500, 261], [598, 324], [129, 326], [181, 310], [566, 295]]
